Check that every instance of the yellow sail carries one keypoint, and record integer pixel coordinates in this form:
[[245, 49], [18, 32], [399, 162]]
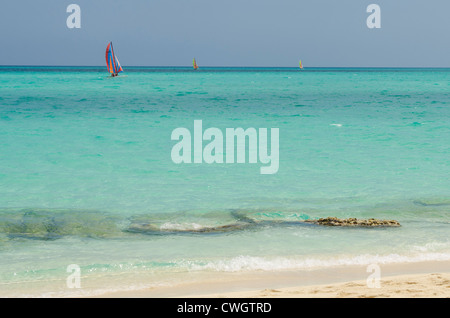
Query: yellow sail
[[194, 63], [300, 64]]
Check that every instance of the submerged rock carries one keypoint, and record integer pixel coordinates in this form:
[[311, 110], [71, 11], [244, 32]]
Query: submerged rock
[[153, 229], [244, 222], [431, 203], [333, 221], [41, 224], [33, 225], [48, 224]]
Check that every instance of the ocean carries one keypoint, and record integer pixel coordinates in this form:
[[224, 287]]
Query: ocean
[[87, 180]]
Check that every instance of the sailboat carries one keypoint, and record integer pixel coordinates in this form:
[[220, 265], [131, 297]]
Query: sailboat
[[112, 63], [194, 63], [301, 65]]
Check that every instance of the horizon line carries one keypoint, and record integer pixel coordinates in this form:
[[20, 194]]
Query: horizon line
[[221, 66]]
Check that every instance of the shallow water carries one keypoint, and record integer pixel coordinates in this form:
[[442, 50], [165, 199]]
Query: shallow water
[[86, 160]]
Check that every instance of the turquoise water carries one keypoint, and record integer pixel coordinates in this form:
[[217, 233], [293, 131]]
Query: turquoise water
[[86, 175]]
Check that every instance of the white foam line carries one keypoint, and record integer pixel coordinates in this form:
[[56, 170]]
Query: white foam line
[[251, 263]]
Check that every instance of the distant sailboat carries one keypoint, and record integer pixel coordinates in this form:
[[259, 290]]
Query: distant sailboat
[[301, 65], [194, 63], [112, 63]]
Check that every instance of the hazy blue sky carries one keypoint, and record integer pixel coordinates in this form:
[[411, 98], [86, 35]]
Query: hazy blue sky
[[227, 32]]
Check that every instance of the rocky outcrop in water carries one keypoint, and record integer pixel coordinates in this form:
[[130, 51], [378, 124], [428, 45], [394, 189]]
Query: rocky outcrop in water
[[245, 223], [333, 221], [42, 224]]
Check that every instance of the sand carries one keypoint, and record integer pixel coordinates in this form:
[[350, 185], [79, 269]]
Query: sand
[[417, 280], [435, 285]]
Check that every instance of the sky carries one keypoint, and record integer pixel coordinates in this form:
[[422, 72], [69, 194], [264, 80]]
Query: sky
[[322, 33]]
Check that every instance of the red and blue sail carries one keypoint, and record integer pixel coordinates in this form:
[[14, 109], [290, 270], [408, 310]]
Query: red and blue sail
[[112, 63]]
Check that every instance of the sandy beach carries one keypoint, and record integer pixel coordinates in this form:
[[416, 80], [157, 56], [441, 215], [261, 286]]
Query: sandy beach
[[417, 280], [436, 285]]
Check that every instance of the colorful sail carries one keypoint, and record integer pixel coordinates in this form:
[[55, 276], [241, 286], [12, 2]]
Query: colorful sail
[[112, 63], [300, 64], [194, 63]]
